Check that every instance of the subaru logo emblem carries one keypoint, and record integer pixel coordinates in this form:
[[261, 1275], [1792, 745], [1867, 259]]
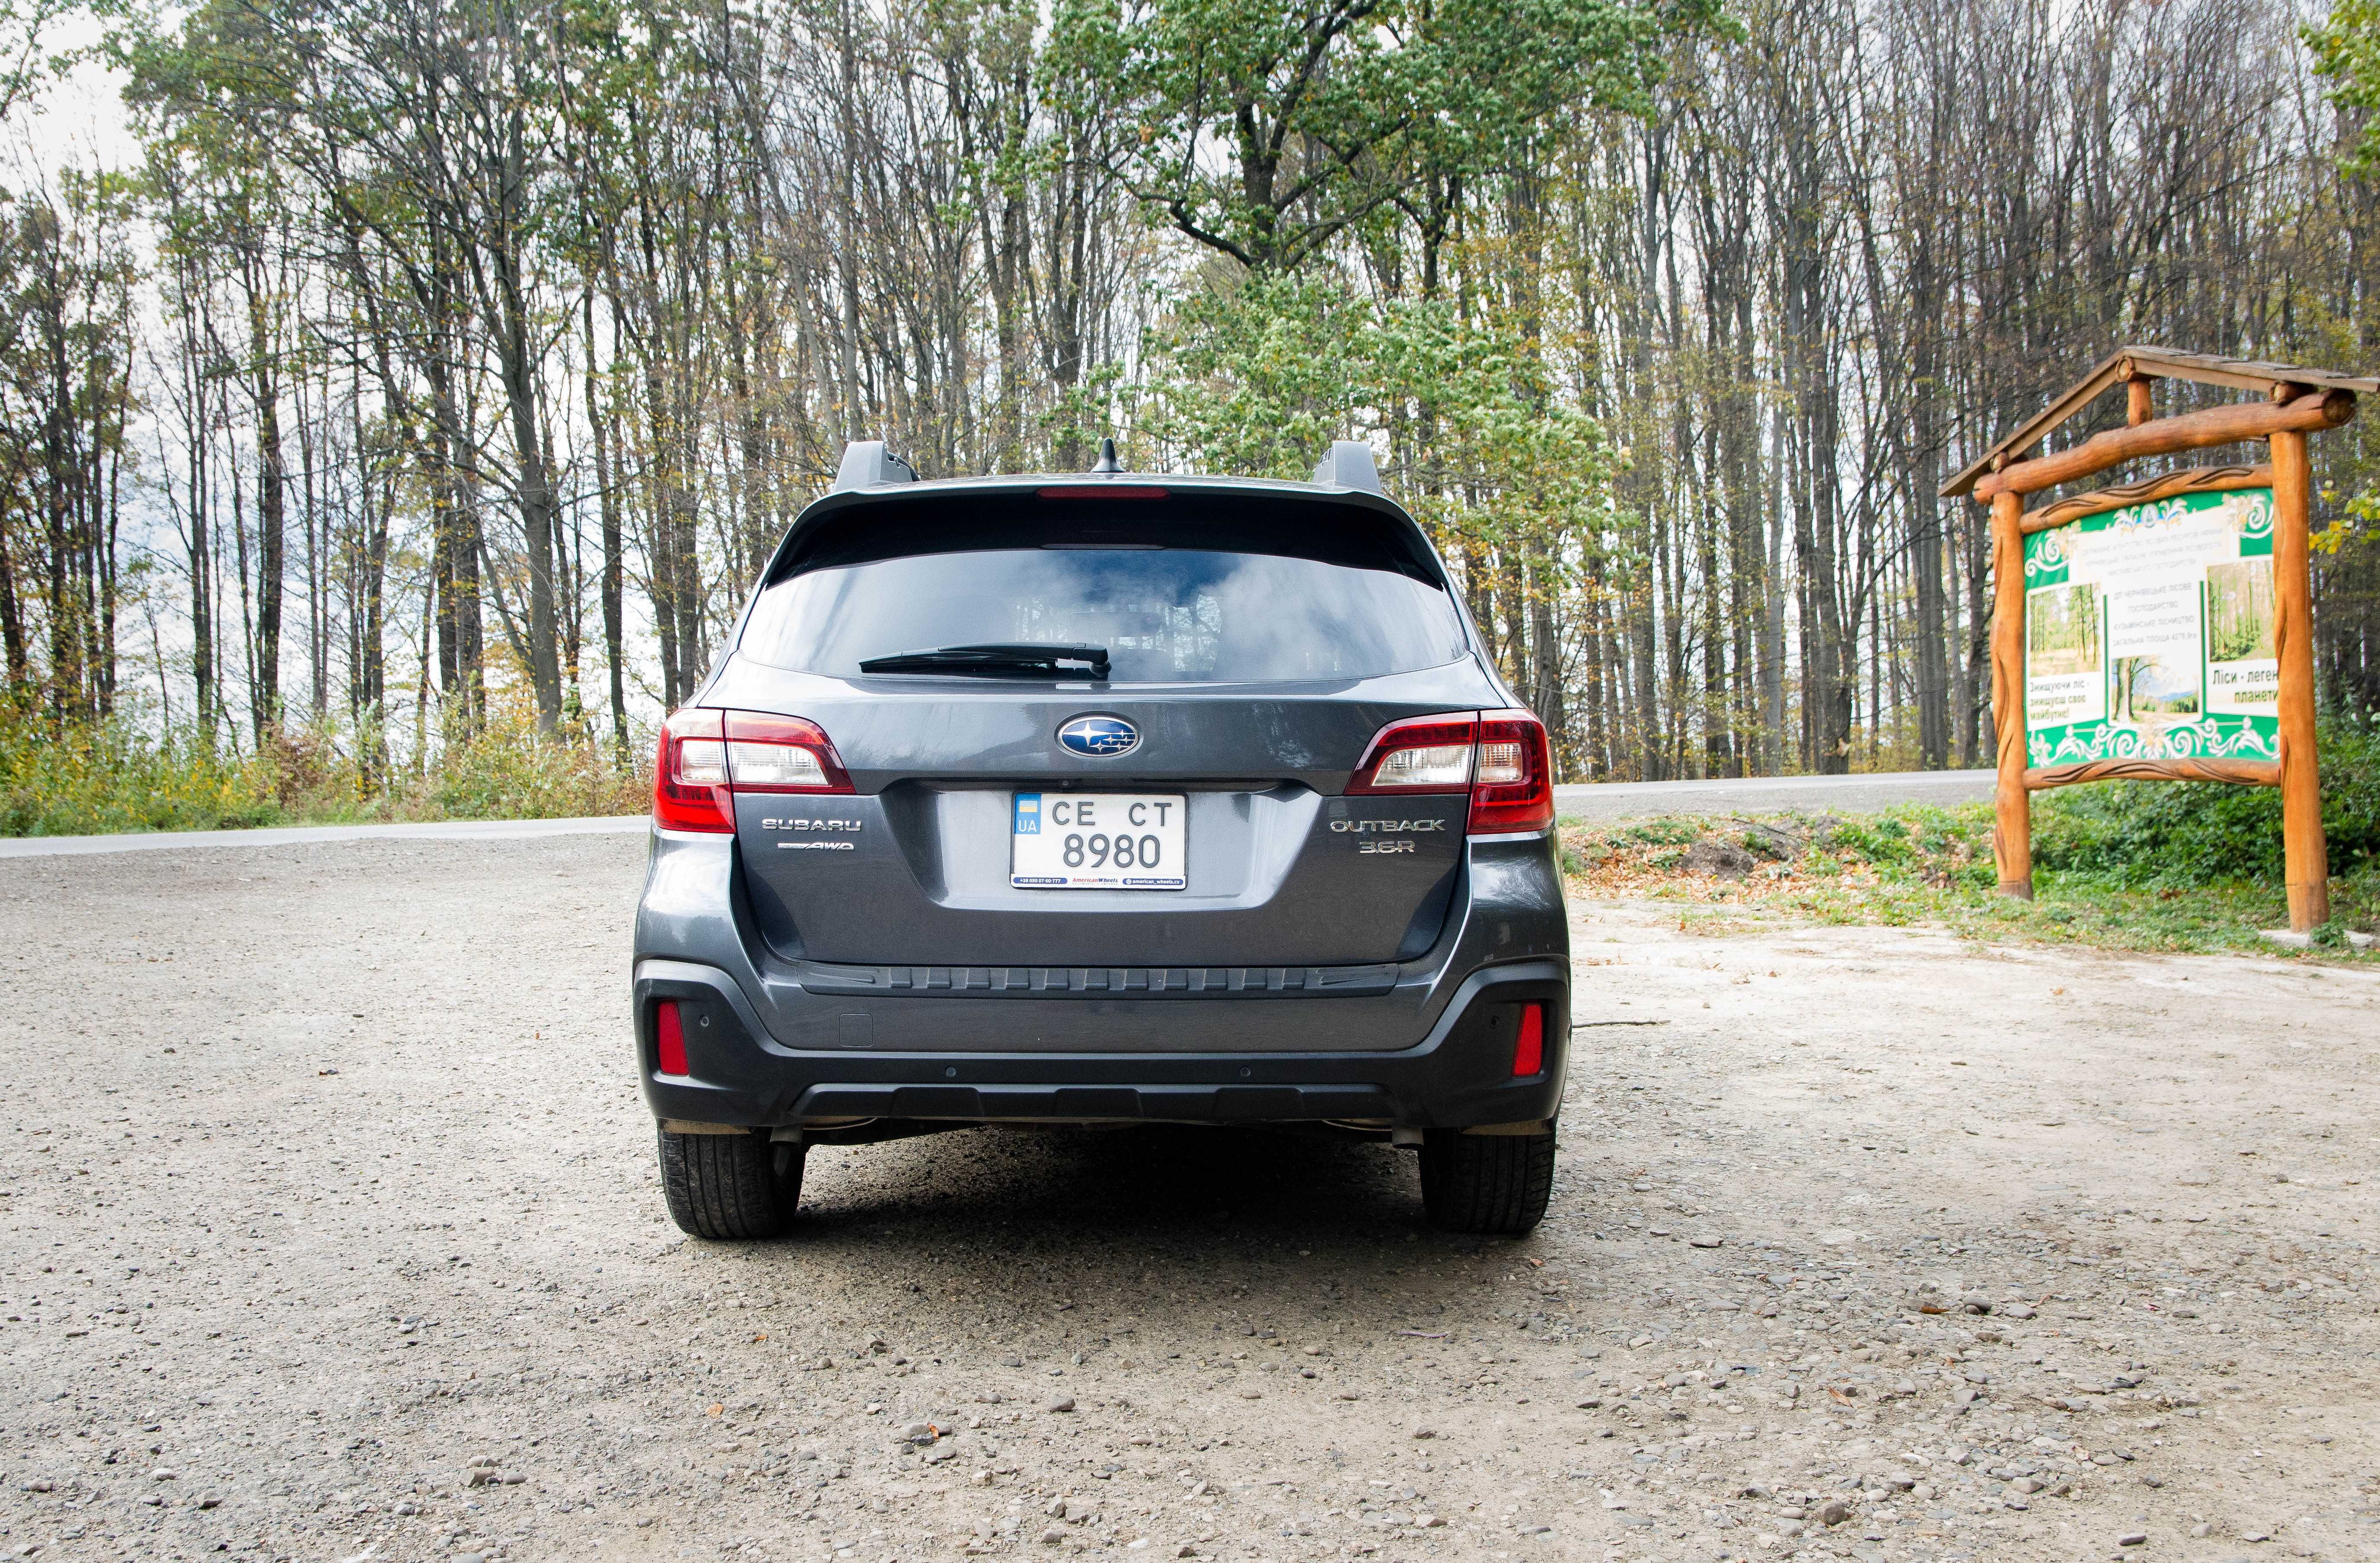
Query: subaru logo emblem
[[1099, 738]]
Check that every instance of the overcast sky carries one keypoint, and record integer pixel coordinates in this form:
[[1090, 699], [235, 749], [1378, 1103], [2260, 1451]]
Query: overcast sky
[[78, 121]]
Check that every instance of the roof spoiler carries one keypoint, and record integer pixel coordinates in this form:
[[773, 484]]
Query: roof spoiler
[[1349, 465], [866, 464]]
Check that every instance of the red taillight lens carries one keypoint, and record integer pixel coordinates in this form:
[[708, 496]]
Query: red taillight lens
[[708, 757], [669, 1038], [1502, 758], [1529, 1052], [1418, 755], [690, 774], [1514, 787]]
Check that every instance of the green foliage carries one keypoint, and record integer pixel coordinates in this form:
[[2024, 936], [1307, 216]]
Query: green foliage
[[2186, 833], [2347, 53], [1260, 377], [85, 778], [1914, 864], [1327, 112], [512, 771], [95, 778], [1658, 832]]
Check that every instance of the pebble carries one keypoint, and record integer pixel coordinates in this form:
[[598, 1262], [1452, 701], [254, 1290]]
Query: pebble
[[2133, 1538], [1063, 1403]]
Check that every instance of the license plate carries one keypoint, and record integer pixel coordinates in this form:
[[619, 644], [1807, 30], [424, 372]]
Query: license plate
[[1098, 840]]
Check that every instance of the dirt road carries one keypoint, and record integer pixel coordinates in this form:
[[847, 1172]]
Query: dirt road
[[328, 1230]]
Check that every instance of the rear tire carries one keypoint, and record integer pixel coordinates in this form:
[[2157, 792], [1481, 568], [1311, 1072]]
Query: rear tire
[[1486, 1183], [730, 1187]]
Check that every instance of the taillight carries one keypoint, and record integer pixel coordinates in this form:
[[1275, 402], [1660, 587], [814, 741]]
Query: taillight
[[707, 756], [669, 1039], [1502, 758], [1513, 789], [1529, 1052]]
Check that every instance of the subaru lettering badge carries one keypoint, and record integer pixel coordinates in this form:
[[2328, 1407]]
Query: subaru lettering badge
[[1099, 738]]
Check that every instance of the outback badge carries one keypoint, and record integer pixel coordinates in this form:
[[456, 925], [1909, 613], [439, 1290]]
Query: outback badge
[[1099, 738]]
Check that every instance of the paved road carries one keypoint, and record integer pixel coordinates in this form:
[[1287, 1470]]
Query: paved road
[[1609, 800], [1773, 794], [306, 835]]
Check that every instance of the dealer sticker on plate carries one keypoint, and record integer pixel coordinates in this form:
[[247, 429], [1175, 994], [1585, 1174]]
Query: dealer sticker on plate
[[1098, 841]]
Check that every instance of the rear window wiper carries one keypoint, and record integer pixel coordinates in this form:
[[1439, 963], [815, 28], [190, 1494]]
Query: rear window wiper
[[1025, 657]]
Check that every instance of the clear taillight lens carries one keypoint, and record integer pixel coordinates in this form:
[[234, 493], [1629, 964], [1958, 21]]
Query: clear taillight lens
[[1502, 764], [702, 762], [773, 765], [1418, 755], [1439, 764]]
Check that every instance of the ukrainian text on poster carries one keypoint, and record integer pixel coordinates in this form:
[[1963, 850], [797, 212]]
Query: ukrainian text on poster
[[2149, 633]]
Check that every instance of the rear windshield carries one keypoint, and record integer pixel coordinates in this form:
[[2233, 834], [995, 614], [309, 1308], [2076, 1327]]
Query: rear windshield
[[1166, 616]]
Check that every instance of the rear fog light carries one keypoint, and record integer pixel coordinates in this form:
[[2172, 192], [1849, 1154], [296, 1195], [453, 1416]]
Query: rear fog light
[[669, 1038], [1529, 1052]]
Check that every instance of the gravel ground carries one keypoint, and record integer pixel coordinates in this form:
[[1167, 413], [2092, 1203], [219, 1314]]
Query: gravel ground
[[328, 1231]]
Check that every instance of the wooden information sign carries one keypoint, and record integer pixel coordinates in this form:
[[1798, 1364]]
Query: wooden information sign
[[2161, 629]]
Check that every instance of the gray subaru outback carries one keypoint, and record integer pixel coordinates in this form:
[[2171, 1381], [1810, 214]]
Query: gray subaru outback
[[1102, 799]]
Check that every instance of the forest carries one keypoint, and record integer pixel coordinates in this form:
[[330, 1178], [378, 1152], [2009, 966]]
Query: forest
[[435, 367]]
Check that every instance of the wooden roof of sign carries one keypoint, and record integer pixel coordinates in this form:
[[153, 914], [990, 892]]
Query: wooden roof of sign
[[2274, 380]]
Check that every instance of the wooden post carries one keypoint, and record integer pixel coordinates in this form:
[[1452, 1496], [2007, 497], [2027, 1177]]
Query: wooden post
[[2137, 406], [2305, 856], [2011, 807]]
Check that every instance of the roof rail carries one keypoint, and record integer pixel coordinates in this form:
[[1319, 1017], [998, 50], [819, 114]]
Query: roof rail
[[866, 463], [1349, 465]]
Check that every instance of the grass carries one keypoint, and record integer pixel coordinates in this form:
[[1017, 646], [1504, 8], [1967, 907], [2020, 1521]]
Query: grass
[[2118, 866], [93, 778]]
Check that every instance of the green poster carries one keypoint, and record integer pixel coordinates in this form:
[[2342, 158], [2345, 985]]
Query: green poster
[[2148, 633]]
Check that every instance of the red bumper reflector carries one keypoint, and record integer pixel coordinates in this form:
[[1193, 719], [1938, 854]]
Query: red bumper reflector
[[1529, 1052], [669, 1038]]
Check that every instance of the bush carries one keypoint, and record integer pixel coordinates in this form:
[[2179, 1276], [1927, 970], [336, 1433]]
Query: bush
[[87, 779], [2181, 833], [510, 771], [97, 777]]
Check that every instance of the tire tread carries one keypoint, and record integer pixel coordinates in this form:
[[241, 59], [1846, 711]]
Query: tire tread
[[725, 1187], [1486, 1184]]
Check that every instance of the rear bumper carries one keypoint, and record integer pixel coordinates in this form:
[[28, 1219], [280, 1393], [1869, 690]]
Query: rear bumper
[[1423, 1044], [1460, 1075]]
